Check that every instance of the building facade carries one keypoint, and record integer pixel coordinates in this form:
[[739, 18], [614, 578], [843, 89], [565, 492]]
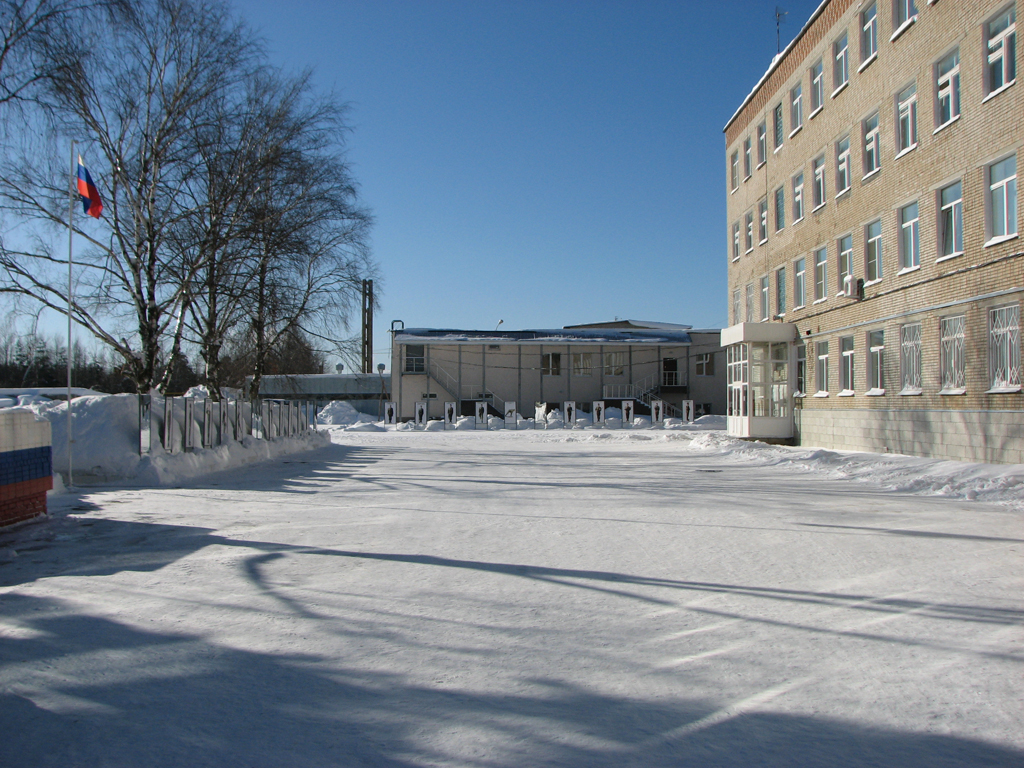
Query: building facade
[[875, 268], [605, 361]]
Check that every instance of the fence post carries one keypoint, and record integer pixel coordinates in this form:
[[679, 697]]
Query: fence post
[[170, 443], [145, 424]]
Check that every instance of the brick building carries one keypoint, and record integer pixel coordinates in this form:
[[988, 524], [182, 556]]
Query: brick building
[[875, 269]]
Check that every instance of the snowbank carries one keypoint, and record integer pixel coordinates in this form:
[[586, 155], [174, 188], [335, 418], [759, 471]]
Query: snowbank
[[105, 433], [339, 413]]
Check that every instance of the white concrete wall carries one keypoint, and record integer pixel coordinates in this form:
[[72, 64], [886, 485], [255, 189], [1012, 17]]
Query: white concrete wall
[[987, 436]]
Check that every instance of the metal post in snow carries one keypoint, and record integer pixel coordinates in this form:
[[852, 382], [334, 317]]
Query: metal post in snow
[[71, 215]]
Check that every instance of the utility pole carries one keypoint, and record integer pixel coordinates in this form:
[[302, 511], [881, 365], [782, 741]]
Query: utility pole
[[367, 351]]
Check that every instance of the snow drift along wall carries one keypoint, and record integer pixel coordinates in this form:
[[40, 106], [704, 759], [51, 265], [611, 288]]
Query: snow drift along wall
[[26, 473]]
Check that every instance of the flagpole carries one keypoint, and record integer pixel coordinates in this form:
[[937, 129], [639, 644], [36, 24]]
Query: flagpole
[[71, 216]]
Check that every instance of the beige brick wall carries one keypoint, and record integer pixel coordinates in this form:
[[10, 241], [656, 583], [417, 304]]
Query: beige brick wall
[[969, 284]]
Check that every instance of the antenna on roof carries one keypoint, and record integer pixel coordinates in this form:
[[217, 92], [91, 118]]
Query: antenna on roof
[[779, 13]]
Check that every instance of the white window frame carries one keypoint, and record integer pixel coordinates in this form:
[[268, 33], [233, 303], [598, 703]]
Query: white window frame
[[872, 145], [800, 282], [705, 364], [736, 317], [615, 362], [843, 180], [876, 362], [821, 369], [1001, 52], [800, 380], [840, 63], [780, 209], [734, 170], [735, 241], [951, 221], [872, 252], [910, 237], [551, 364], [910, 359], [821, 275], [947, 90], [868, 36], [845, 247], [906, 120], [748, 159], [766, 307], [952, 374], [762, 222], [582, 364], [762, 143], [1001, 201], [817, 87], [818, 189], [748, 225], [1004, 348], [750, 302], [904, 13], [796, 108], [846, 366], [778, 127], [798, 198]]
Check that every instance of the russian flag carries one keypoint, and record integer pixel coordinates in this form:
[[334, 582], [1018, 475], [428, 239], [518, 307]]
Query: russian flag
[[90, 195]]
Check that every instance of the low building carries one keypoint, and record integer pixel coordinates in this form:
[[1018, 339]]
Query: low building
[[364, 391], [622, 359]]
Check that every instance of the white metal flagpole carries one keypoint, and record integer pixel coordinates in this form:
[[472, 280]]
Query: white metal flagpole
[[71, 216]]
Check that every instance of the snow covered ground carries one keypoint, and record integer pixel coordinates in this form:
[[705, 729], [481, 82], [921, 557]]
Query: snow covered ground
[[534, 598]]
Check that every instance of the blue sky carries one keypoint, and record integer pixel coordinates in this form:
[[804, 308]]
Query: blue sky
[[541, 163]]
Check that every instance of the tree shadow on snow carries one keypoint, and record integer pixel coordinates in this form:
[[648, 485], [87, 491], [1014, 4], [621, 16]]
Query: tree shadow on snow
[[82, 690]]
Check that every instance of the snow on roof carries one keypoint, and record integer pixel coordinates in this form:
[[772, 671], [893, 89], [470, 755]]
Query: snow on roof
[[545, 336], [649, 324], [776, 60]]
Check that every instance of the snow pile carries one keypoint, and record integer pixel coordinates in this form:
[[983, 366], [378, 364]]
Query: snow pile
[[105, 431], [1003, 483], [340, 413]]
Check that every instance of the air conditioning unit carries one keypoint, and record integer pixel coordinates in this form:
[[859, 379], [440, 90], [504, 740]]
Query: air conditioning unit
[[849, 286]]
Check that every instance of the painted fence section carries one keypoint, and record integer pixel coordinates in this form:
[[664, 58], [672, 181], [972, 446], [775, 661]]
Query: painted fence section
[[26, 470]]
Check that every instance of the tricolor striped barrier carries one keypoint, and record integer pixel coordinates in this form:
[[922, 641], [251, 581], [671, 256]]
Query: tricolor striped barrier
[[26, 471]]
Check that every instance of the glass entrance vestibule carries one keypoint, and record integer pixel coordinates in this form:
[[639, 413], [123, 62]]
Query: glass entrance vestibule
[[759, 376]]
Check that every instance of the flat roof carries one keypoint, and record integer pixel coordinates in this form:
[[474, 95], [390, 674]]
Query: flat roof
[[545, 336]]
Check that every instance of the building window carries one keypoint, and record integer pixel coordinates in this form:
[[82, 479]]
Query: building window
[[1001, 49], [872, 150], [705, 364], [947, 89], [817, 87], [905, 12], [842, 165], [582, 364], [736, 318], [906, 120], [798, 197], [846, 365], [765, 303], [876, 362], [780, 291], [951, 354], [821, 274], [737, 378], [762, 222], [799, 283], [910, 358], [1002, 198], [801, 369], [762, 144], [873, 251], [734, 171], [615, 362], [746, 158], [821, 372], [868, 33], [845, 260], [796, 108], [780, 209], [551, 364], [840, 63], [910, 237], [1004, 347], [778, 126], [415, 359], [748, 221], [951, 220], [735, 241], [750, 303], [819, 182]]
